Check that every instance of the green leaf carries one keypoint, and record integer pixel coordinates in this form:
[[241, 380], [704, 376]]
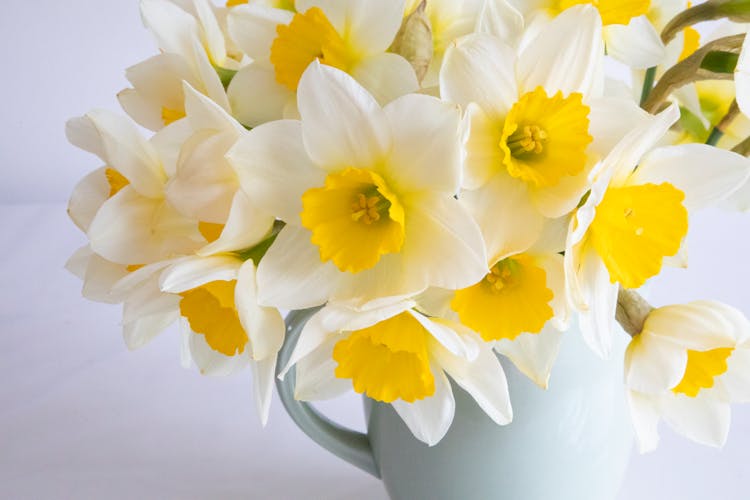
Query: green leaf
[[720, 62]]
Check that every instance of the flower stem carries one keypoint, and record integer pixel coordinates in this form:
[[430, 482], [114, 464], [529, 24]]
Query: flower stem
[[648, 84], [632, 311], [719, 130]]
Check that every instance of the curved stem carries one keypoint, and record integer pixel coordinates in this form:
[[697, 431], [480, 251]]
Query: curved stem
[[648, 84]]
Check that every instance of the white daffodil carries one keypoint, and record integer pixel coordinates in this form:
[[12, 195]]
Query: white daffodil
[[351, 36], [396, 355], [742, 78], [367, 194], [449, 20], [192, 46], [631, 27], [636, 216], [122, 207], [538, 123], [686, 366]]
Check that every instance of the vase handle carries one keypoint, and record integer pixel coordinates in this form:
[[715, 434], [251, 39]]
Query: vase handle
[[349, 445]]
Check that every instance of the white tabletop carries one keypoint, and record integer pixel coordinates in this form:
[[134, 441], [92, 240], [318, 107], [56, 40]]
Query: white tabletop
[[83, 418]]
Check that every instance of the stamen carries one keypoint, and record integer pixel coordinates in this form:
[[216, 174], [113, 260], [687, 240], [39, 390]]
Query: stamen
[[369, 209], [527, 139]]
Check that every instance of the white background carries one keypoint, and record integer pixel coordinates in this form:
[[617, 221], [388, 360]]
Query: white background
[[80, 417]]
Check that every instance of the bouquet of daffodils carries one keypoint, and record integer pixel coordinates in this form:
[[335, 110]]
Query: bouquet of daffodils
[[446, 180]]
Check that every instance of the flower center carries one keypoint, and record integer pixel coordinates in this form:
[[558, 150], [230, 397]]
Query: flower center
[[210, 231], [211, 312], [545, 138], [355, 219], [635, 227], [613, 11], [703, 367], [388, 361], [512, 299], [308, 37]]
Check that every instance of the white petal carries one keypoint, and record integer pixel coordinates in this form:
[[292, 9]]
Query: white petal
[[263, 382], [480, 68], [274, 168], [739, 200], [371, 25], [736, 381], [205, 183], [701, 419], [82, 133], [637, 44], [141, 331], [645, 416], [562, 198], [386, 76], [335, 10], [342, 124], [654, 365], [263, 325], [88, 195], [553, 265], [291, 275], [130, 229], [253, 28], [79, 261], [598, 321], [699, 325], [194, 272], [446, 334], [314, 334], [212, 35], [426, 152], [499, 18], [684, 167], [137, 279], [246, 227], [128, 152], [443, 246], [213, 363], [483, 378], [203, 113], [484, 158], [256, 97], [567, 55], [605, 131], [316, 379], [534, 354], [173, 28], [100, 278], [429, 419], [510, 223], [553, 238], [168, 142]]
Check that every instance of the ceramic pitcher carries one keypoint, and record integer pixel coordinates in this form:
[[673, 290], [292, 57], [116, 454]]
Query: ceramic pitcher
[[569, 442]]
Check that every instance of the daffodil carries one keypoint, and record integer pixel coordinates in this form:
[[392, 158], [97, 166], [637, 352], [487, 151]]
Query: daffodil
[[631, 27], [636, 218], [123, 206], [686, 366], [394, 354], [192, 45], [367, 194], [351, 36], [538, 123]]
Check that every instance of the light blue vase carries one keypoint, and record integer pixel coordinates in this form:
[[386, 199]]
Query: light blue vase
[[570, 442]]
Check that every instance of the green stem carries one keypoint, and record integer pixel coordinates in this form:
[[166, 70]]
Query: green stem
[[718, 131], [648, 83]]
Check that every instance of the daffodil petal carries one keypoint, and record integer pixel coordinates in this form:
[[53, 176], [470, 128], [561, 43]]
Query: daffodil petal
[[637, 44], [597, 322], [264, 325], [568, 55], [274, 169], [534, 354], [500, 19], [684, 167], [141, 331], [645, 417], [246, 226], [371, 25], [704, 420], [484, 158], [291, 275], [342, 124], [256, 97], [742, 78], [700, 325], [263, 385], [480, 68], [430, 418], [316, 379], [386, 76], [212, 363], [193, 272], [253, 28], [88, 195], [426, 152], [653, 365]]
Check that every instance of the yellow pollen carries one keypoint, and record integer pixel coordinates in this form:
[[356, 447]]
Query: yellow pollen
[[545, 138], [308, 37], [703, 367], [635, 227], [613, 11], [116, 181], [169, 116], [211, 312], [388, 361], [210, 231], [355, 219], [513, 298]]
